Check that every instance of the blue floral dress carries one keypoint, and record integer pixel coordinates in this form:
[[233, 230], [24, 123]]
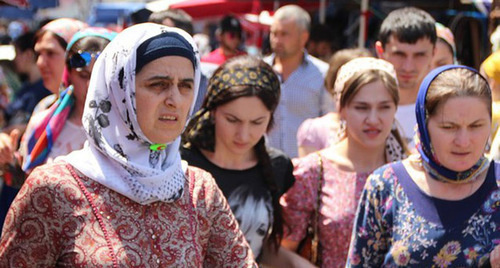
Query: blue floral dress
[[398, 225]]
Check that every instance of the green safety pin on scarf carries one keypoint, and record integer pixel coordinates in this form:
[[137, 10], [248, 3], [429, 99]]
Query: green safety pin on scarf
[[157, 146]]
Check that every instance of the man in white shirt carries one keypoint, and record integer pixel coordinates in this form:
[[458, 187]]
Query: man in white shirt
[[407, 39], [303, 94]]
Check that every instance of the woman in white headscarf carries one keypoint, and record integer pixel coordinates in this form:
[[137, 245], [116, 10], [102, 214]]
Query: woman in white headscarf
[[126, 199]]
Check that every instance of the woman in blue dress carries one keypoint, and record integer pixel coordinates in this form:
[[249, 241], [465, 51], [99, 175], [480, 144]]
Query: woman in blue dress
[[438, 208]]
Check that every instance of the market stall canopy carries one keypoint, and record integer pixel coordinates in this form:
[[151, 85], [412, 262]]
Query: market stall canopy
[[214, 8], [112, 12], [31, 4], [23, 9]]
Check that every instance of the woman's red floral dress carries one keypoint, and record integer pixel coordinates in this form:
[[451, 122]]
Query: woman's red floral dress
[[63, 219]]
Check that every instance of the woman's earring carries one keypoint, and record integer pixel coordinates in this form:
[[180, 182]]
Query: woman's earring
[[342, 130], [394, 126]]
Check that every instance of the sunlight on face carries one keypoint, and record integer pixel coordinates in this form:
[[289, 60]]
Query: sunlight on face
[[164, 91], [411, 61], [369, 115], [443, 56], [50, 61], [459, 131], [240, 124]]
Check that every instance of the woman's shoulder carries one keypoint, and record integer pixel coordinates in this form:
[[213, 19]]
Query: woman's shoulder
[[278, 157], [52, 181], [200, 179], [194, 157], [308, 161], [55, 171], [497, 171], [386, 176], [188, 152]]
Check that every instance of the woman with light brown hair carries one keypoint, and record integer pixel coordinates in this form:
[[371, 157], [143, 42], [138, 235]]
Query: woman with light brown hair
[[317, 133], [333, 178]]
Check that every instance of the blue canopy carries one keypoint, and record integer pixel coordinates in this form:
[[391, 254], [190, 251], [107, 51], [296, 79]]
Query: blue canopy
[[14, 12], [113, 12]]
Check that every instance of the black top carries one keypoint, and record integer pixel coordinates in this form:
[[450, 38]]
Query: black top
[[247, 192]]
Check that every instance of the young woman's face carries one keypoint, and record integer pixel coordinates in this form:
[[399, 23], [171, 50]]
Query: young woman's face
[[443, 55], [80, 78], [240, 124], [369, 115], [50, 61], [164, 93], [459, 131]]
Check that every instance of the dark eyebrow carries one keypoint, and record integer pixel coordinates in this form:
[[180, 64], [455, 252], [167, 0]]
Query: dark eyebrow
[[231, 115], [188, 80], [420, 53], [166, 77], [399, 52], [257, 119], [367, 103], [478, 121]]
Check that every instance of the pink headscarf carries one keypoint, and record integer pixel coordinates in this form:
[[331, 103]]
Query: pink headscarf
[[65, 28], [445, 34]]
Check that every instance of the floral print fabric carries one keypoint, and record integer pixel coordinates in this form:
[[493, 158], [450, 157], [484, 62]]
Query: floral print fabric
[[51, 223], [340, 192], [393, 230]]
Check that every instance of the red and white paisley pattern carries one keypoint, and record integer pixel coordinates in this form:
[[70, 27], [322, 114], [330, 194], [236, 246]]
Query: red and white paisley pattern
[[51, 223]]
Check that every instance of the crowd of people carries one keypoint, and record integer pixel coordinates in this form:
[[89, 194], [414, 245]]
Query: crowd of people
[[131, 149]]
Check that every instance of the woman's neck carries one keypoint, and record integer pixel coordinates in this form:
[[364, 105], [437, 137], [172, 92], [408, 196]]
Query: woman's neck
[[438, 189], [77, 113], [356, 158], [227, 160]]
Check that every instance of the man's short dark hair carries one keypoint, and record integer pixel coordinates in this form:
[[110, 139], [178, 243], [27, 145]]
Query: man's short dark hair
[[25, 41], [179, 17], [408, 25]]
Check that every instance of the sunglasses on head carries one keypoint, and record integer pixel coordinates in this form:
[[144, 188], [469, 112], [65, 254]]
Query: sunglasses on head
[[82, 59]]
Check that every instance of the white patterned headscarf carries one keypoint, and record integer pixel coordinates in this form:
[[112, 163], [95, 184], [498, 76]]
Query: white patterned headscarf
[[393, 150], [117, 154]]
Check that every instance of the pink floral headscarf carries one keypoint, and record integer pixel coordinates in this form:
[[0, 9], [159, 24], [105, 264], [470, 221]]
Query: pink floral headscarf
[[64, 27]]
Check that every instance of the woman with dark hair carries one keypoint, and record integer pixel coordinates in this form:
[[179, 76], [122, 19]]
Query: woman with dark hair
[[226, 138], [51, 42], [437, 208], [58, 130], [126, 199], [329, 182]]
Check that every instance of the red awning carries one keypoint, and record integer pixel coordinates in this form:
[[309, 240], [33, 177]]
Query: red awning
[[17, 3], [213, 8]]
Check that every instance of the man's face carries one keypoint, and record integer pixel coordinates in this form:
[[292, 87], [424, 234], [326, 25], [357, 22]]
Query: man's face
[[320, 49], [411, 61], [287, 39], [230, 40], [23, 60]]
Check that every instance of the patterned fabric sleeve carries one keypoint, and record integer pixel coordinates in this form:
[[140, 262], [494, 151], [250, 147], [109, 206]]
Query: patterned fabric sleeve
[[299, 201], [227, 246], [33, 226], [370, 237]]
